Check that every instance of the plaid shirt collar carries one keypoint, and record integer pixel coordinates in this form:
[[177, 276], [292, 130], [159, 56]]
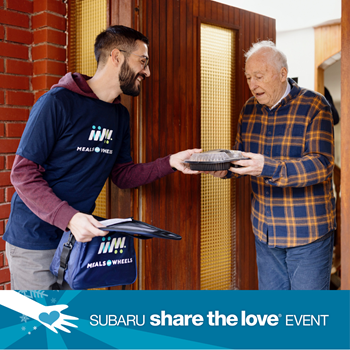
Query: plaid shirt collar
[[288, 88], [294, 91]]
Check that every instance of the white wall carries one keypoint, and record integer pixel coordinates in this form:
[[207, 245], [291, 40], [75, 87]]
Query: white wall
[[332, 81], [299, 47], [294, 14]]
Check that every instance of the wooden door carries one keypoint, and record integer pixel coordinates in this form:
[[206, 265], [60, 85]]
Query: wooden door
[[166, 119]]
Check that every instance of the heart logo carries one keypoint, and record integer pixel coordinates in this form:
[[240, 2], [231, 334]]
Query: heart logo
[[49, 318]]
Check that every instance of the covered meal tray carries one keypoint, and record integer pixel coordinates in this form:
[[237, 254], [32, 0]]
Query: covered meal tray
[[218, 159]]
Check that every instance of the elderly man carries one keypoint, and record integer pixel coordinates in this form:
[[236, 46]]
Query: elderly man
[[287, 132]]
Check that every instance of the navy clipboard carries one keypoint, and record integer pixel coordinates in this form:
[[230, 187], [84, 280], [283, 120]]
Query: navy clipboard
[[141, 230]]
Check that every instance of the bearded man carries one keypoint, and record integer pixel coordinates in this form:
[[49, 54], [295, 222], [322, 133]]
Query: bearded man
[[77, 135]]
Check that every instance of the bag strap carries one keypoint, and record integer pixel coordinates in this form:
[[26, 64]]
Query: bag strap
[[66, 250]]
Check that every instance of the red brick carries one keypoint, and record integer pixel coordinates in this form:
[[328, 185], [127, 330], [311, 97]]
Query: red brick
[[8, 146], [7, 286], [2, 99], [2, 33], [2, 163], [2, 195], [38, 94], [13, 82], [5, 209], [2, 229], [14, 18], [1, 65], [40, 67], [14, 129], [50, 5], [48, 20], [9, 193], [49, 67], [5, 180], [2, 129], [18, 98], [19, 36], [20, 5], [4, 275], [50, 36], [13, 50], [19, 67], [49, 51], [43, 82], [2, 258], [12, 114], [9, 161]]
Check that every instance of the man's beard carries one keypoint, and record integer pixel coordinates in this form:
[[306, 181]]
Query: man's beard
[[127, 80]]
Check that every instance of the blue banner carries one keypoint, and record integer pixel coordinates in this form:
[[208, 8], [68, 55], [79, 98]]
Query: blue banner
[[104, 319]]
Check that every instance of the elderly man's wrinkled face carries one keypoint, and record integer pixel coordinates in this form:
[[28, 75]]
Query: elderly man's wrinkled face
[[265, 81]]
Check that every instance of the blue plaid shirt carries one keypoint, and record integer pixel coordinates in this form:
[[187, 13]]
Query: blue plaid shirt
[[292, 200]]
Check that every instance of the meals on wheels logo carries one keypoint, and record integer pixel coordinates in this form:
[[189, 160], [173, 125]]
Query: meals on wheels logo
[[112, 246], [99, 134]]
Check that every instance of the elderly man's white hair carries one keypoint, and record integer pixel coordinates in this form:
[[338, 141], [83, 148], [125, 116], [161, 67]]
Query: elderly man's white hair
[[279, 57]]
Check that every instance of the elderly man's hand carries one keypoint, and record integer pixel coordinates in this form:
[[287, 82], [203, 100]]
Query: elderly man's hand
[[252, 166], [177, 160]]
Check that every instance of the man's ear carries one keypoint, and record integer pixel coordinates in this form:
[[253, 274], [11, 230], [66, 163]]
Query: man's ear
[[116, 57], [283, 74]]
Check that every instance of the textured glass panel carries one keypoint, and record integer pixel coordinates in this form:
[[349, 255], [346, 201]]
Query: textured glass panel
[[89, 19], [217, 91]]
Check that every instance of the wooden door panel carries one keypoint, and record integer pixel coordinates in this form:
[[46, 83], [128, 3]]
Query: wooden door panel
[[171, 112], [168, 117]]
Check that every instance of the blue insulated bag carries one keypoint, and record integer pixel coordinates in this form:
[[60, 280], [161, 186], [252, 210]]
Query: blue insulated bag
[[104, 261]]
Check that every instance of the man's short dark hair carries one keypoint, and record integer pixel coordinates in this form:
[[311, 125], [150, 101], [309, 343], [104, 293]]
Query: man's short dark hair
[[118, 36]]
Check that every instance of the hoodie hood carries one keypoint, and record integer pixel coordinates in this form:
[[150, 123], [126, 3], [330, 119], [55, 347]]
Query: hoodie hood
[[77, 83]]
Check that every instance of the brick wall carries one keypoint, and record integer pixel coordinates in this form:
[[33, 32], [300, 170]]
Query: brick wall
[[32, 58]]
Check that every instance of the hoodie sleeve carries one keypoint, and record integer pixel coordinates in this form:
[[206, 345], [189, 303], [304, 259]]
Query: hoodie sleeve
[[27, 178], [130, 175]]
